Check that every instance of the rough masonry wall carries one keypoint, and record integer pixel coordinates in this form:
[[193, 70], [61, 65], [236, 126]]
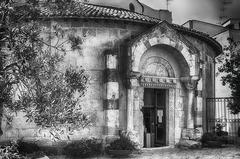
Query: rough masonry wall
[[96, 36]]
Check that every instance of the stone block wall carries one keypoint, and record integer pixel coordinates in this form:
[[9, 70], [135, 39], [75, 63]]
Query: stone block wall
[[96, 36]]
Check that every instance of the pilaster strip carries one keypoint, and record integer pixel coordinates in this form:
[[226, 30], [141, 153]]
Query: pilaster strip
[[111, 97], [110, 75], [112, 131], [110, 104]]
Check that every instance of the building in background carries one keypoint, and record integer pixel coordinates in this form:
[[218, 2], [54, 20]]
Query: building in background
[[221, 33], [217, 109]]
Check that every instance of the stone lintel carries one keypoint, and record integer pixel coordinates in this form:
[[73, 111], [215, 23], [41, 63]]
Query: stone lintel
[[158, 82], [110, 104], [110, 75], [158, 85]]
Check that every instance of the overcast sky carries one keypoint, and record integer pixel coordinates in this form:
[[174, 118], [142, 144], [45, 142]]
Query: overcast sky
[[206, 10]]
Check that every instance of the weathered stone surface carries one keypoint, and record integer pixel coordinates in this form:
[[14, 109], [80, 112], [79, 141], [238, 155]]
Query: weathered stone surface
[[111, 61], [184, 143], [109, 104], [191, 134], [111, 131], [88, 32], [94, 91], [112, 90], [112, 118], [110, 75]]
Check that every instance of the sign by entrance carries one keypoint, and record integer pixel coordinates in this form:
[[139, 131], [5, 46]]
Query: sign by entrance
[[158, 82]]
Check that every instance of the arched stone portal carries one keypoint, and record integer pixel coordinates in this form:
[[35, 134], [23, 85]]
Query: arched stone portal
[[164, 62], [164, 34]]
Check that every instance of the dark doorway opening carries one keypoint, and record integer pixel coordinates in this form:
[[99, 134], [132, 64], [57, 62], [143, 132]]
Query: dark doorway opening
[[154, 116]]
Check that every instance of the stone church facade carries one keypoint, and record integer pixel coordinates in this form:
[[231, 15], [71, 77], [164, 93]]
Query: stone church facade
[[147, 76]]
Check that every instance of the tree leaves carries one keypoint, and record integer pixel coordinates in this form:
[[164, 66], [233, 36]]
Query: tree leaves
[[47, 93], [231, 67]]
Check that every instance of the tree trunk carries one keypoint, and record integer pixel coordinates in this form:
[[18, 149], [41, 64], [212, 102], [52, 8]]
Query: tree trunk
[[1, 115]]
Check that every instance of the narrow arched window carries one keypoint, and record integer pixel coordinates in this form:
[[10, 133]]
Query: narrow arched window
[[131, 7]]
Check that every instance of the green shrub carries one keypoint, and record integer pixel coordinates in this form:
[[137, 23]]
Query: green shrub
[[223, 139], [123, 143], [219, 129], [83, 148], [212, 139], [10, 152], [25, 147], [209, 136]]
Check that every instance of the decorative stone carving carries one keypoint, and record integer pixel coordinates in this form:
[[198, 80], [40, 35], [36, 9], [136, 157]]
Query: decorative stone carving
[[132, 80], [156, 69], [164, 34], [190, 82], [156, 66], [191, 85], [157, 82]]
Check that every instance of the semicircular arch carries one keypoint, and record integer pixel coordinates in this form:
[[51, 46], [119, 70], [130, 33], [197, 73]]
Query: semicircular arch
[[164, 35], [163, 61]]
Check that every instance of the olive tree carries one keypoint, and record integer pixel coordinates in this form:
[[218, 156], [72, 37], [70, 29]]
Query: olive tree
[[32, 78]]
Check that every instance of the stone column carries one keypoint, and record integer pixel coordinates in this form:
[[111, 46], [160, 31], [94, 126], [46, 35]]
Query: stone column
[[111, 95], [130, 109], [191, 85], [132, 83], [190, 117]]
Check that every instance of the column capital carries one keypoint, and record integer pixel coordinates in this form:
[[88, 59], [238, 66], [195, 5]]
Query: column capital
[[132, 79], [190, 82]]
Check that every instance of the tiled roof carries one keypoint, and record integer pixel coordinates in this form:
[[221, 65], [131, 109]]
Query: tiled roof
[[202, 35], [80, 9], [84, 10]]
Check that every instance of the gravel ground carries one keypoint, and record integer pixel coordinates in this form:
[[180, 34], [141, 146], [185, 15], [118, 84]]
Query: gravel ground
[[205, 153], [174, 153]]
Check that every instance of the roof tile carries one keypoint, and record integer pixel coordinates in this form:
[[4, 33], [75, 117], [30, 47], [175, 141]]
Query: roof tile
[[80, 9]]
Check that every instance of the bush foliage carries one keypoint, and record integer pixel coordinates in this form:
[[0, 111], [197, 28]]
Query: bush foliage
[[84, 148], [10, 151], [123, 143], [230, 66]]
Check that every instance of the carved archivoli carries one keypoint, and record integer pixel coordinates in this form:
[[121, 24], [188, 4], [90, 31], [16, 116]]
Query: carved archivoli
[[157, 66]]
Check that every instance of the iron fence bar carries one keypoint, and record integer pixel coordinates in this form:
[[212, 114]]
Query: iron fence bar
[[217, 111]]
